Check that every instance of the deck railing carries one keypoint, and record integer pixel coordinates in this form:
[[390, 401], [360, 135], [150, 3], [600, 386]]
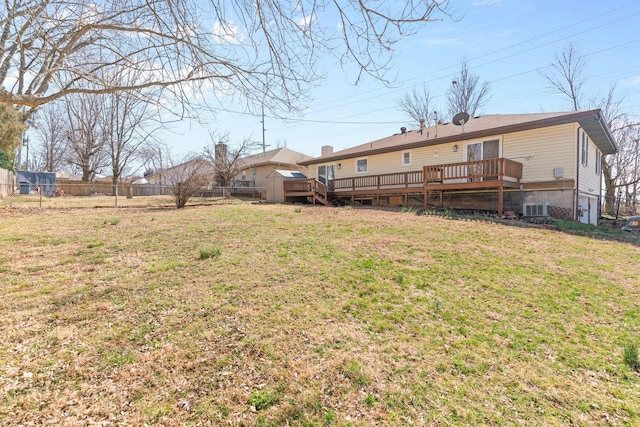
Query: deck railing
[[463, 173], [478, 170], [387, 180], [309, 185]]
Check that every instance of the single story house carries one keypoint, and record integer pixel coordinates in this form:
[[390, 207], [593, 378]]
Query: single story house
[[531, 164], [254, 169]]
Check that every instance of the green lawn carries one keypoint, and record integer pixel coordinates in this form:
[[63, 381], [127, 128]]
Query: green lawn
[[242, 314]]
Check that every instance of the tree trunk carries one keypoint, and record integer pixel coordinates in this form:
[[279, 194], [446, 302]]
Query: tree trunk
[[609, 190]]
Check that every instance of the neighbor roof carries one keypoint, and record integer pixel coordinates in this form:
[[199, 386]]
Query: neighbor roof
[[288, 174], [591, 121], [279, 156]]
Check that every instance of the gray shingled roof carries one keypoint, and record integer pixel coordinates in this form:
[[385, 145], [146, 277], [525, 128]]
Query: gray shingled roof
[[279, 156]]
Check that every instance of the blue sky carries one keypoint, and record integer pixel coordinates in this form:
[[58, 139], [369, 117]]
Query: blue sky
[[505, 42]]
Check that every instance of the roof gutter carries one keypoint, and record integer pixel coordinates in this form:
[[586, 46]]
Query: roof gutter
[[606, 130], [577, 189]]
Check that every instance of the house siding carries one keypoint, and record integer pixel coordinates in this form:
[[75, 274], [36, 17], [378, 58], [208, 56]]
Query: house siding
[[393, 162], [589, 181], [541, 151]]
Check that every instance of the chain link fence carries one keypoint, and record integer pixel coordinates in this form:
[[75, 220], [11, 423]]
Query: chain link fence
[[103, 194], [620, 206]]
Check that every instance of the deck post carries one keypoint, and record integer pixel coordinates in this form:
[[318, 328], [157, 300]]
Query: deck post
[[426, 192], [500, 199]]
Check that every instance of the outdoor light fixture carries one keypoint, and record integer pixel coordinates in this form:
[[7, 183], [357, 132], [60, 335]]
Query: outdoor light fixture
[[339, 165], [455, 148]]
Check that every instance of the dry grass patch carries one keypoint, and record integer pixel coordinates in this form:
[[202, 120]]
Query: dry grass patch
[[317, 317]]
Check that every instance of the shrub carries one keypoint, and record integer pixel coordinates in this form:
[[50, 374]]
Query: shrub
[[210, 252], [262, 399], [630, 356], [112, 221]]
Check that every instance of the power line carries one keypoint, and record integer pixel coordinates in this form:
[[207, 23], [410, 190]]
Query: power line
[[387, 92], [341, 120]]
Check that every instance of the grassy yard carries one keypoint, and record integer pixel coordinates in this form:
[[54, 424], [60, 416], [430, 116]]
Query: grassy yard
[[243, 314]]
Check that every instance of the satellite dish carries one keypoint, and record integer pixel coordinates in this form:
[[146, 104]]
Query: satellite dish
[[460, 119]]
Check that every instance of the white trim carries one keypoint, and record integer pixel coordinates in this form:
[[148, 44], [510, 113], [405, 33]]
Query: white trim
[[465, 152], [356, 165], [402, 154]]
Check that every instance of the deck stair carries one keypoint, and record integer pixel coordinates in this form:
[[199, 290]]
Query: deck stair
[[311, 188]]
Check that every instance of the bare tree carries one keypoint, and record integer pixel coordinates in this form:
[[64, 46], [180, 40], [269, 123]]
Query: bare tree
[[621, 171], [154, 157], [186, 177], [418, 105], [53, 130], [466, 94], [566, 76], [566, 79], [86, 143], [227, 160], [263, 50], [126, 125]]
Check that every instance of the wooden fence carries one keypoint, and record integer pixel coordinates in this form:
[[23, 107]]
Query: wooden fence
[[6, 183]]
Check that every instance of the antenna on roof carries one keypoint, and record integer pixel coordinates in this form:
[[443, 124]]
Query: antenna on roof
[[460, 119], [435, 113]]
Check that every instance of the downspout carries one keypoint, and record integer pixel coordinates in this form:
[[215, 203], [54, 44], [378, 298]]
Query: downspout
[[577, 191]]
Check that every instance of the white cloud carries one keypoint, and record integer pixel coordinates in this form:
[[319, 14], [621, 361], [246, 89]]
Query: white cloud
[[305, 21]]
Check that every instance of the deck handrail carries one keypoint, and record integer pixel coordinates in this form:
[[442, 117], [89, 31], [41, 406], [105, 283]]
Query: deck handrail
[[308, 185], [477, 170], [387, 180]]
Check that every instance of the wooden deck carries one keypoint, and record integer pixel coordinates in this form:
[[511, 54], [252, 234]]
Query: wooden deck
[[492, 174], [496, 174], [310, 188]]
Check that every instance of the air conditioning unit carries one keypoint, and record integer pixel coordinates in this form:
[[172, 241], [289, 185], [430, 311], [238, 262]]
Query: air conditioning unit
[[535, 209]]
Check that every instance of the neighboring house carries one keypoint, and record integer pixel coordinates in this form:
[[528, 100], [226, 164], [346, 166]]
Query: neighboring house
[[181, 172], [254, 169], [533, 164]]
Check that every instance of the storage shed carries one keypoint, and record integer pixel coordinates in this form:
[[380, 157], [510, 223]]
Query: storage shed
[[275, 183]]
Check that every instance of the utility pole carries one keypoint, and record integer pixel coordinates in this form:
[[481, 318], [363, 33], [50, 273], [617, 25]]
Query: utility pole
[[264, 146]]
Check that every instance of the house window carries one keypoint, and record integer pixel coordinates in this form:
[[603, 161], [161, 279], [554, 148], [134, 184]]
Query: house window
[[406, 158], [244, 175], [585, 149], [253, 175], [361, 166]]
